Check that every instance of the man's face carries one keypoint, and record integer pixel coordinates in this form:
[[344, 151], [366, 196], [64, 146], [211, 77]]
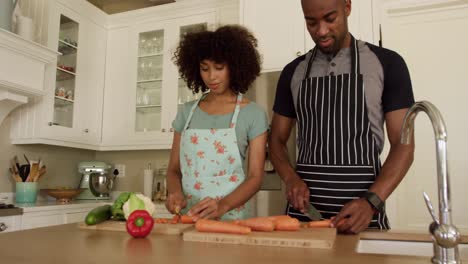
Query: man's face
[[327, 23]]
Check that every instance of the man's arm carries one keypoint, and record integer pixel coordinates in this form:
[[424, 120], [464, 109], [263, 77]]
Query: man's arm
[[296, 190], [359, 212]]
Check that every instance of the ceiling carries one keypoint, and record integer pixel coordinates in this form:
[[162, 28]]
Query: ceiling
[[118, 6]]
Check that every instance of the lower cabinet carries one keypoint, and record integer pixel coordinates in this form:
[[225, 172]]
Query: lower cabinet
[[56, 216], [10, 223]]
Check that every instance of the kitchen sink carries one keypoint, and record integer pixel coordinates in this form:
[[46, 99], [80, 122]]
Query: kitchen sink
[[392, 247]]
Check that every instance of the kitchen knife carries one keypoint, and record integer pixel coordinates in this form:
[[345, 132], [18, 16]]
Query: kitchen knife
[[312, 213]]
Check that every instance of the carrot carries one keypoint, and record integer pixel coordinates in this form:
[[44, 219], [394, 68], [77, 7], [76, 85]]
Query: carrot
[[185, 219], [284, 224], [162, 220], [341, 222], [213, 226], [175, 219], [278, 217], [258, 224], [321, 223]]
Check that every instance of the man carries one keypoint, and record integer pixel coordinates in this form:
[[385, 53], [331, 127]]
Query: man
[[340, 94]]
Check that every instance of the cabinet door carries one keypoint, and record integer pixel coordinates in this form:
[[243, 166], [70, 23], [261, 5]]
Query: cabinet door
[[36, 220], [280, 29], [184, 26], [74, 217], [10, 224], [73, 105], [148, 77]]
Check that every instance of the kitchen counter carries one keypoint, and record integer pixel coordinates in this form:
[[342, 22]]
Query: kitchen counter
[[69, 244], [54, 205]]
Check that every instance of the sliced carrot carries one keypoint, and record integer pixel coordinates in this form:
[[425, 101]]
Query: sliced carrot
[[162, 220], [185, 219], [175, 219], [258, 223], [321, 223], [291, 224], [213, 226]]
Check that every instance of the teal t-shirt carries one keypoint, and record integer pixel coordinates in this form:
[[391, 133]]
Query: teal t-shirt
[[252, 121]]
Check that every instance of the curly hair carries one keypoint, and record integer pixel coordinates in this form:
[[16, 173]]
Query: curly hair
[[232, 44]]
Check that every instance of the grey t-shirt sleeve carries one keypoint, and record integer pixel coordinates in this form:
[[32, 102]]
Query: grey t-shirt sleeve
[[258, 122], [181, 117]]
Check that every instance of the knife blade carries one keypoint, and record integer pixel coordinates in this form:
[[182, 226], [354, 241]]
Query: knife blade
[[312, 213]]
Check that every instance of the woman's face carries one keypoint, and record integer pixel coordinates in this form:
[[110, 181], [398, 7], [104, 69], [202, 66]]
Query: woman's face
[[215, 76]]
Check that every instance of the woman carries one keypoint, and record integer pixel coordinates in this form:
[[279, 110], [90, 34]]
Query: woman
[[212, 135]]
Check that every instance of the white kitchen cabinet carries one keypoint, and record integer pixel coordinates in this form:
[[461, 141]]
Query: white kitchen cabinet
[[144, 89], [70, 114], [41, 219], [10, 223], [281, 32]]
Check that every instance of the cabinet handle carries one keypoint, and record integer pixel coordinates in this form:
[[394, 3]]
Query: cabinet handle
[[163, 130], [50, 124], [86, 130], [298, 54], [171, 130], [3, 227]]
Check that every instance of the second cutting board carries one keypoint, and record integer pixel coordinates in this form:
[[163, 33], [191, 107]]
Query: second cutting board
[[304, 238], [165, 229]]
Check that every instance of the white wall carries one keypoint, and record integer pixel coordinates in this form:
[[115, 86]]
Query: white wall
[[433, 41]]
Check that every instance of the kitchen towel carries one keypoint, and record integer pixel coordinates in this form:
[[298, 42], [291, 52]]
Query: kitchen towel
[[148, 176]]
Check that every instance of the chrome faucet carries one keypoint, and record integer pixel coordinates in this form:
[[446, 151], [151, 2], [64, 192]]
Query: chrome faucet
[[445, 235]]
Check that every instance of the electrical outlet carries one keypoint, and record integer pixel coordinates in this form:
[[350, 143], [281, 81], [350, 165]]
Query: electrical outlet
[[121, 169]]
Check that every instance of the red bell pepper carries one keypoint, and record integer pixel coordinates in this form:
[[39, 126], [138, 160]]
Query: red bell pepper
[[139, 223]]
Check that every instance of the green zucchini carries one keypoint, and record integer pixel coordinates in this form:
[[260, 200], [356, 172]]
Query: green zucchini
[[98, 215]]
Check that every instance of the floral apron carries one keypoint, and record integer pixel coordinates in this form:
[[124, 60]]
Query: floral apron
[[211, 164]]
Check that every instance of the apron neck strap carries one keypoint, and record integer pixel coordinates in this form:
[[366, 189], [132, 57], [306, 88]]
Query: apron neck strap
[[355, 61], [236, 111], [234, 116]]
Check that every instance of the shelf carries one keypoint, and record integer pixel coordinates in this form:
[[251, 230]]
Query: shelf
[[66, 48], [64, 74], [147, 106], [149, 109], [151, 80], [151, 55], [64, 99]]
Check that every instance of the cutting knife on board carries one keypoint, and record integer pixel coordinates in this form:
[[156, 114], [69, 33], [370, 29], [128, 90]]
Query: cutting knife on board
[[312, 213]]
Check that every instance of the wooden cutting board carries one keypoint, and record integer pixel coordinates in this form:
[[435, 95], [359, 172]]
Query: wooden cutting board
[[304, 238], [165, 229]]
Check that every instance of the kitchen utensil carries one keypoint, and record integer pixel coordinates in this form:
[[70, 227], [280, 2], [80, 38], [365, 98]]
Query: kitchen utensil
[[17, 162], [312, 213], [119, 226], [303, 238], [15, 176], [24, 171], [63, 195], [26, 158], [33, 173]]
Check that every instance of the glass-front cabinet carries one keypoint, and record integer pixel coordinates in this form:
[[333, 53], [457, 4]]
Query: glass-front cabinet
[[66, 72], [149, 81], [158, 91]]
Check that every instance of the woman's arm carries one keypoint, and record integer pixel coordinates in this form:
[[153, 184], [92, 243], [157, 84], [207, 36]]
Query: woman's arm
[[210, 208], [175, 198]]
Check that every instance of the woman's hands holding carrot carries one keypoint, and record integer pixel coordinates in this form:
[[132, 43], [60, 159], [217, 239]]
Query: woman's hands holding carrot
[[175, 201], [208, 208]]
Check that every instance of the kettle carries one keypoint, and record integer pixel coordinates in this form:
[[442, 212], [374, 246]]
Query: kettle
[[6, 13]]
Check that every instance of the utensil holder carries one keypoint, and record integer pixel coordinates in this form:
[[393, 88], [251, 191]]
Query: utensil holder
[[26, 192]]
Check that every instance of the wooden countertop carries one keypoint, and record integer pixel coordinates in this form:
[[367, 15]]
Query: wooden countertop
[[69, 244]]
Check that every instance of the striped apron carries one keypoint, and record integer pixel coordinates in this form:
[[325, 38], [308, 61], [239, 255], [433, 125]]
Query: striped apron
[[338, 157]]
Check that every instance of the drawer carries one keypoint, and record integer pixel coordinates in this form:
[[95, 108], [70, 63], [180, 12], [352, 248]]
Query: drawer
[[10, 223]]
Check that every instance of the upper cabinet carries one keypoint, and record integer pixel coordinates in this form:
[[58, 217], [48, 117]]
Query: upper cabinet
[[70, 113], [143, 90], [145, 84], [281, 32]]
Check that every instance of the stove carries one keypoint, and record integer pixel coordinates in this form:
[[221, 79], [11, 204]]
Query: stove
[[9, 210]]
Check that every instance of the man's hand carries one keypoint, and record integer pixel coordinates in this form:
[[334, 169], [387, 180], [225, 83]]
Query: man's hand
[[356, 216], [297, 193], [175, 201], [208, 208]]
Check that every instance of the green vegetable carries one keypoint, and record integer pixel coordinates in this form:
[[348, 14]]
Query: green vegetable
[[98, 215], [116, 209], [138, 202]]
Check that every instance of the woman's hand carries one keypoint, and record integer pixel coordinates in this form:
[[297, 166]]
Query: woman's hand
[[175, 202], [207, 208]]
